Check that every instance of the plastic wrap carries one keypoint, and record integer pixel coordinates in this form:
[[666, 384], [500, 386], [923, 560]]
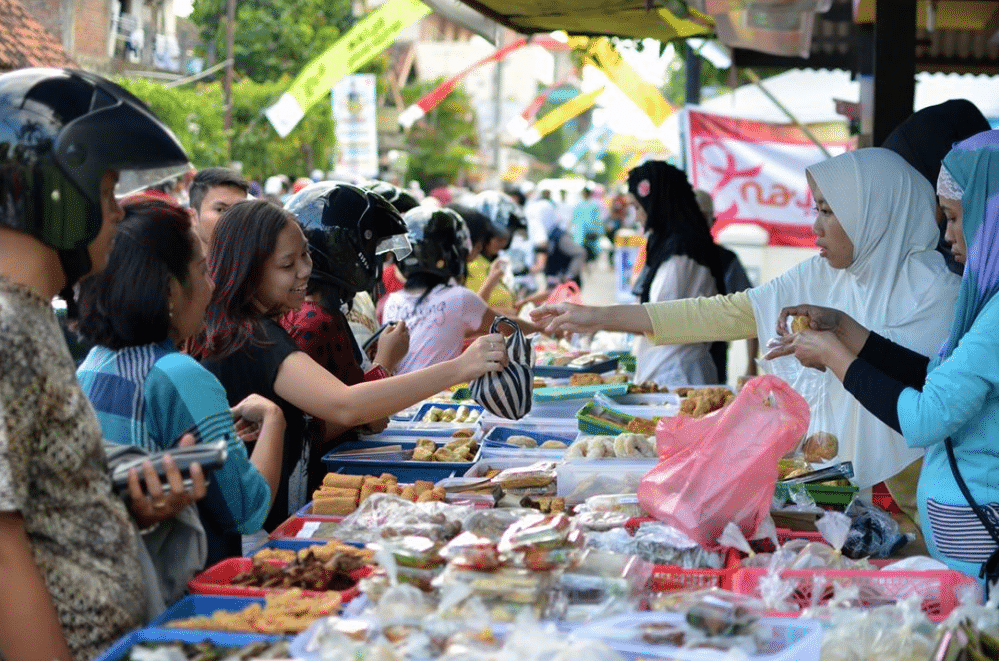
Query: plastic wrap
[[873, 532], [659, 544], [899, 632], [383, 516]]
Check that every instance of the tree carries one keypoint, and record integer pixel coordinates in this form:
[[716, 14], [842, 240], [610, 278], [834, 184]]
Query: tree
[[441, 143], [273, 37]]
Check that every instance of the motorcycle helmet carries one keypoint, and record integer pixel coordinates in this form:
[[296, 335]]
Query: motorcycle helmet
[[440, 241], [399, 198], [348, 229], [60, 131], [501, 210]]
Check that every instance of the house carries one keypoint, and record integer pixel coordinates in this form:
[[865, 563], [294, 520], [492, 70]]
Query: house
[[25, 42]]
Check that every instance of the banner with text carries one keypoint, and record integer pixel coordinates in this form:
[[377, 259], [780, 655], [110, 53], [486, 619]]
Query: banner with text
[[369, 37], [354, 108], [755, 171]]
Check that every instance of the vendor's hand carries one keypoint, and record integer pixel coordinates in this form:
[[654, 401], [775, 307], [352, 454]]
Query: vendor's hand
[[393, 345], [486, 354], [816, 349], [152, 505], [563, 319], [249, 414], [819, 318]]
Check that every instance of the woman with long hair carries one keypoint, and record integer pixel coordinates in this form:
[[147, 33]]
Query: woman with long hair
[[260, 264]]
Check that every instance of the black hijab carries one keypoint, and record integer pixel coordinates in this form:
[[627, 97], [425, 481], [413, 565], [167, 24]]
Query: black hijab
[[674, 223], [925, 138]]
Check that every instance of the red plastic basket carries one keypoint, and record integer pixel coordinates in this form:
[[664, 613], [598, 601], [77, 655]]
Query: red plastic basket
[[670, 578], [217, 579], [938, 589]]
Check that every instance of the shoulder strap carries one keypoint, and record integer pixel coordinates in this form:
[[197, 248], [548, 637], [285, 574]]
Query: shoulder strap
[[982, 515]]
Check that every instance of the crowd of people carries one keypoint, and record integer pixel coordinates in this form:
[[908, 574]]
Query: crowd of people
[[288, 320]]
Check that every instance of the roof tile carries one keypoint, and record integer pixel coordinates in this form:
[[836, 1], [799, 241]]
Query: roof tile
[[25, 43]]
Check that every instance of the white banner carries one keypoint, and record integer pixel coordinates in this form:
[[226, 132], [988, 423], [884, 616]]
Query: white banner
[[355, 112]]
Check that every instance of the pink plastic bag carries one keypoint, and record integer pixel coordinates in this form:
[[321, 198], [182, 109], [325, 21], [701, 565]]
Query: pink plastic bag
[[565, 291], [723, 467]]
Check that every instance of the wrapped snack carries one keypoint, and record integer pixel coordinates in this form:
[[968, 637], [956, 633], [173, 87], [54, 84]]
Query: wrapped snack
[[413, 551], [723, 613], [537, 532], [472, 551], [538, 474]]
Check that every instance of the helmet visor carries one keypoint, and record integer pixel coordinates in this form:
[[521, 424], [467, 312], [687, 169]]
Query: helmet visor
[[135, 181], [397, 244]]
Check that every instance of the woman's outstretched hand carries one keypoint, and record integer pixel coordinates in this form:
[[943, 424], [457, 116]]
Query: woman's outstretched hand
[[565, 318]]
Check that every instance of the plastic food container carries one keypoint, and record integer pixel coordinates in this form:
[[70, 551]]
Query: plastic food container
[[217, 580], [124, 644], [822, 494], [474, 412], [494, 443], [581, 478], [202, 604], [562, 393], [788, 639]]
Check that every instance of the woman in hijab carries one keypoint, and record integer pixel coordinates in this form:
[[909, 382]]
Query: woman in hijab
[[948, 404], [682, 261], [876, 234], [925, 138]]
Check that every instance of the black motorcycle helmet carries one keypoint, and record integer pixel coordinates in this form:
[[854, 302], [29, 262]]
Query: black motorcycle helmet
[[348, 229], [60, 131], [440, 241], [400, 198]]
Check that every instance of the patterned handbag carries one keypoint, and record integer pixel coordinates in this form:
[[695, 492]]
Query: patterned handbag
[[508, 393]]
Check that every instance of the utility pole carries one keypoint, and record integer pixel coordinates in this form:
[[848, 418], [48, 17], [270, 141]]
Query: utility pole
[[230, 42]]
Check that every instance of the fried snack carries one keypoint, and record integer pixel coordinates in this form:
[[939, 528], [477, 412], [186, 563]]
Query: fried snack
[[553, 445], [339, 480], [333, 492], [439, 493], [426, 442], [522, 441], [408, 493], [642, 426], [616, 378], [388, 478], [463, 433], [423, 453], [799, 324], [370, 488], [334, 547], [423, 485], [702, 401], [443, 454], [334, 506], [647, 387], [286, 613], [585, 379], [820, 446], [458, 443]]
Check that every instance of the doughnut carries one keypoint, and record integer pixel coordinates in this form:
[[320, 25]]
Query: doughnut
[[523, 441], [648, 447], [578, 450], [629, 445], [597, 447]]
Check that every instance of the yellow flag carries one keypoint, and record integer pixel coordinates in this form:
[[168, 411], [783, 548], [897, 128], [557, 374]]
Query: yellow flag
[[647, 97], [560, 116], [369, 37]]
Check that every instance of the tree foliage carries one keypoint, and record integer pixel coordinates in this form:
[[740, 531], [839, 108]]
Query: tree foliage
[[273, 37], [441, 143], [195, 114]]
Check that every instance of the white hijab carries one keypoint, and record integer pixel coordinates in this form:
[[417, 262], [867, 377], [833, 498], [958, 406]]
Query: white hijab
[[898, 286]]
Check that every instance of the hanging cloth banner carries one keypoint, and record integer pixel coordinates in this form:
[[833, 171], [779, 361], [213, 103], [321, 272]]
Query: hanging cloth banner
[[589, 141], [369, 37], [431, 100], [645, 95], [519, 124], [560, 116]]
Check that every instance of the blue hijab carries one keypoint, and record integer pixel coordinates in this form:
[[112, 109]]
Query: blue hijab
[[974, 165]]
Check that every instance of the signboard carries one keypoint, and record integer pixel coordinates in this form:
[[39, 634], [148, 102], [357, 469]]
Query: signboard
[[355, 113], [755, 171]]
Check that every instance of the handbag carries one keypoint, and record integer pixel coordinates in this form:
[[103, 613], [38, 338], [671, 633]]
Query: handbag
[[990, 568], [508, 393]]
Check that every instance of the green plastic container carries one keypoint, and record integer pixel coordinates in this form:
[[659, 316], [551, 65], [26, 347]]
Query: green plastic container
[[822, 494]]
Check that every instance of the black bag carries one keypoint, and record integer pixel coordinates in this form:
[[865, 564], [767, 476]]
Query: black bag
[[508, 393], [990, 568]]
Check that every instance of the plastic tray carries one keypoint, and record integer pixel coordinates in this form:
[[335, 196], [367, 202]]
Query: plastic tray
[[938, 589], [284, 545], [791, 640], [422, 412], [494, 444], [306, 510], [564, 370], [405, 471], [203, 604], [119, 650], [591, 424], [581, 478], [293, 526], [216, 580], [562, 393]]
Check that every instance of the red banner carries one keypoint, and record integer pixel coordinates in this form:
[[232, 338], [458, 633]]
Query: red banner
[[755, 172]]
